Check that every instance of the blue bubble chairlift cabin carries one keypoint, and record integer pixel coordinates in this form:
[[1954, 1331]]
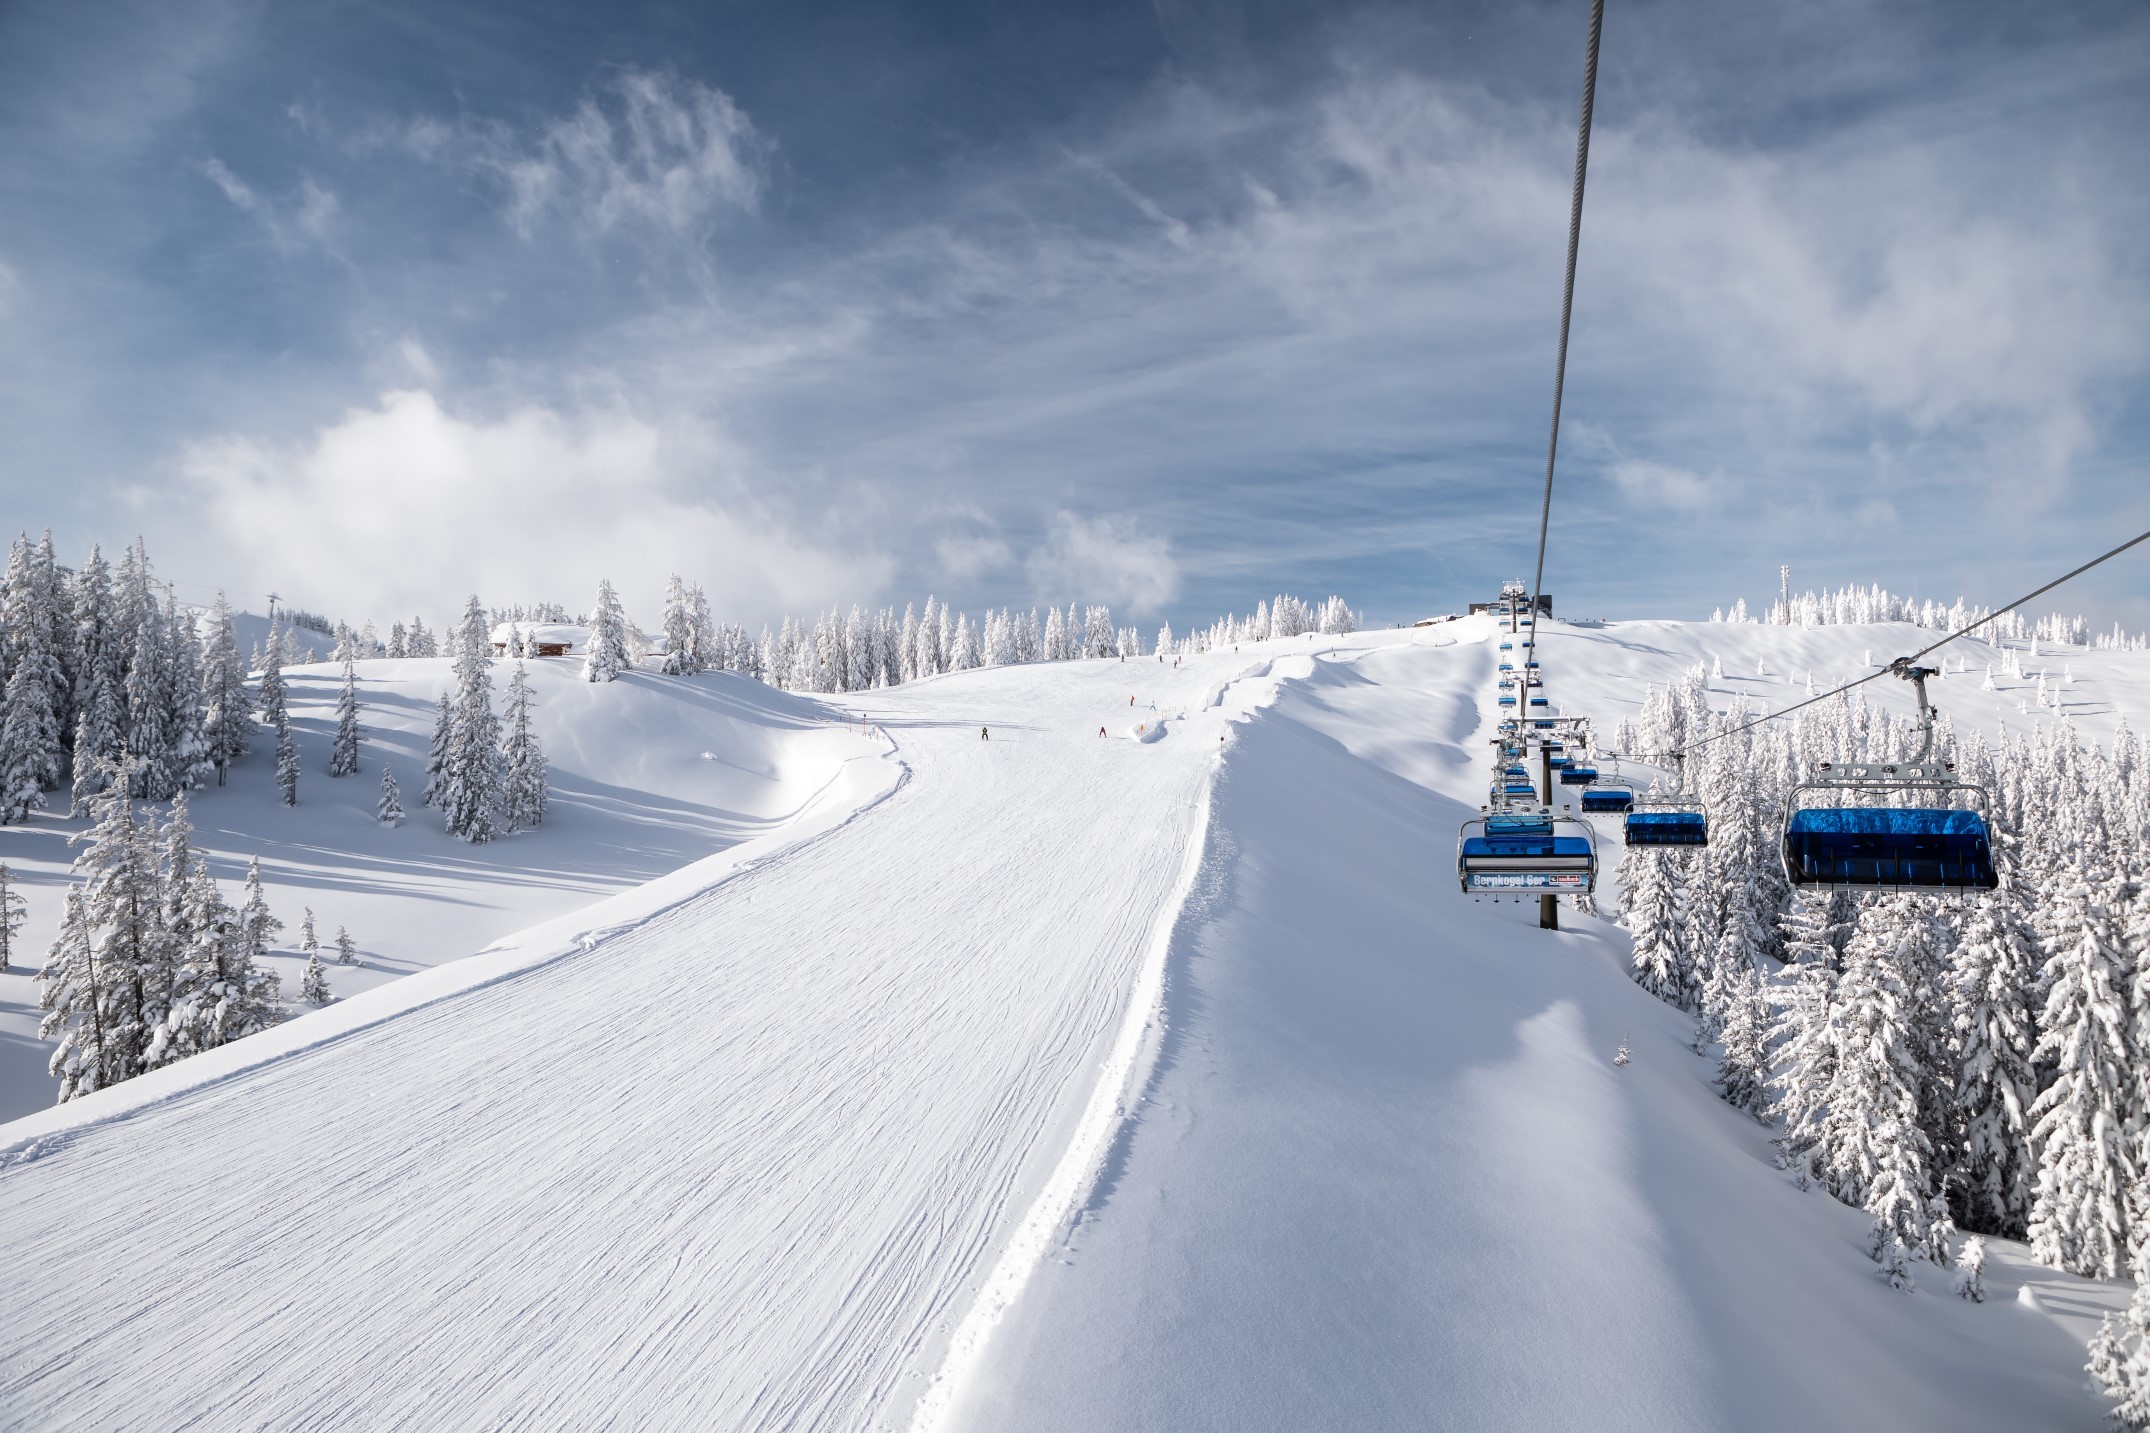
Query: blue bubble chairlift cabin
[[1833, 840], [1667, 821], [1612, 800], [1526, 852], [1540, 702], [1507, 701], [1574, 775]]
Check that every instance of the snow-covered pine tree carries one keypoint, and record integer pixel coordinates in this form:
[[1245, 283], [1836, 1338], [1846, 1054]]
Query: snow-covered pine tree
[[708, 647], [607, 656], [227, 721], [1994, 974], [1874, 1150], [680, 654], [126, 948], [287, 761], [522, 760], [313, 987], [97, 700], [1971, 1270], [2079, 1200], [1654, 917], [72, 994], [389, 810], [1743, 1031], [184, 719], [2120, 1357], [309, 941], [471, 777], [12, 910], [346, 948], [437, 753], [343, 753], [32, 753]]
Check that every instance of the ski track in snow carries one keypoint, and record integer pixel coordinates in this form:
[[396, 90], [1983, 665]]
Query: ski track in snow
[[736, 1166]]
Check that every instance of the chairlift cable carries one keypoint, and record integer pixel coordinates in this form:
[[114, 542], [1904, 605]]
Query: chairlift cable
[[1894, 667], [1567, 303]]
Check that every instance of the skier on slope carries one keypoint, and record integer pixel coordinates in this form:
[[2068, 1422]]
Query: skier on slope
[[984, 735]]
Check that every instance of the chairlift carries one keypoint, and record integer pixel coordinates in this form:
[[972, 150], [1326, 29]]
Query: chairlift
[[1526, 851], [1667, 821], [1841, 844], [1507, 701], [1611, 800], [1575, 775], [1540, 702]]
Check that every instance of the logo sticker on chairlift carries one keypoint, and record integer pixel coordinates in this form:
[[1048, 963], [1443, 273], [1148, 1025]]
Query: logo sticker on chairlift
[[1525, 881]]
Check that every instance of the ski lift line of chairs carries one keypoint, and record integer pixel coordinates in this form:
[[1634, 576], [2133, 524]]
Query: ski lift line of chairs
[[1526, 852]]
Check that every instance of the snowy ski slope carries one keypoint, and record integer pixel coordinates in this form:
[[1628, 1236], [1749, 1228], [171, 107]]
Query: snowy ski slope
[[825, 1131]]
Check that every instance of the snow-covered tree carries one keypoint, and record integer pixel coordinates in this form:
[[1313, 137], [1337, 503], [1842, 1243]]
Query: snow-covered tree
[[389, 810], [309, 941], [109, 977], [2079, 1202], [346, 948], [1994, 976], [226, 720], [437, 753], [1654, 916], [1875, 1151], [681, 649], [471, 776], [32, 753], [522, 760], [2120, 1357], [73, 996], [1743, 1030], [343, 753], [1971, 1270], [12, 914], [287, 763], [607, 656], [313, 987]]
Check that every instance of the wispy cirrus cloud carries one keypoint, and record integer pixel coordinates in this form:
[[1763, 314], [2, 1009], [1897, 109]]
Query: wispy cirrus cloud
[[644, 150]]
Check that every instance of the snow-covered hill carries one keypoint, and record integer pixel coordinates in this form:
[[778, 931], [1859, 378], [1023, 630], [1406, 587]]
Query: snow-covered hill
[[648, 774], [1074, 1081]]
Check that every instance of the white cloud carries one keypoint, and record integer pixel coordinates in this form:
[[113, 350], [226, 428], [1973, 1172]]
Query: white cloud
[[405, 506], [647, 151], [1103, 560], [1662, 485], [308, 216], [966, 559]]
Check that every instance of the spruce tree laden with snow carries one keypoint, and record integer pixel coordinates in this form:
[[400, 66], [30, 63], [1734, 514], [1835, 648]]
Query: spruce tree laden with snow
[[522, 760], [682, 655], [437, 753], [309, 942], [2120, 1357], [607, 656], [313, 986], [2079, 1201], [13, 911], [346, 948], [1993, 981], [343, 753], [471, 777], [389, 809], [227, 720], [1654, 917]]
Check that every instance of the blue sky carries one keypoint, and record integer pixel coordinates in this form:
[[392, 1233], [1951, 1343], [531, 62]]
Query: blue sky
[[1169, 305]]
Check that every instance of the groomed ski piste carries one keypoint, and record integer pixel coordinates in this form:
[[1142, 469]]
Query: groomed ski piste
[[1071, 1077]]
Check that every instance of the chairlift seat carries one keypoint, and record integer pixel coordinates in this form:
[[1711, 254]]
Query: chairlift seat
[[1614, 799], [1540, 702], [1667, 828], [1889, 847], [1573, 775]]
